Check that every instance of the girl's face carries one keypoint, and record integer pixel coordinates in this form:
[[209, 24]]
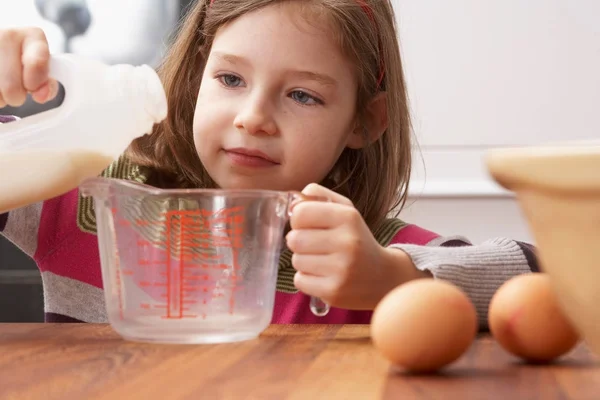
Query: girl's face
[[277, 101]]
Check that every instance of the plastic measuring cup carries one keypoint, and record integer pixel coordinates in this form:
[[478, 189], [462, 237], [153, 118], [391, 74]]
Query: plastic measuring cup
[[189, 266]]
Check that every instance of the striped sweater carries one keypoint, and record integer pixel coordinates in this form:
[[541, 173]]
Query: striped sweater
[[68, 259]]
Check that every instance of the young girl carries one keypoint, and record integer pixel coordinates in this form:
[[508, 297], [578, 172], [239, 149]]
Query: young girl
[[302, 95]]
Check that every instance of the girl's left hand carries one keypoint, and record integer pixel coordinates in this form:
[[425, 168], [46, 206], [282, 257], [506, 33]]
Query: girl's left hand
[[337, 256]]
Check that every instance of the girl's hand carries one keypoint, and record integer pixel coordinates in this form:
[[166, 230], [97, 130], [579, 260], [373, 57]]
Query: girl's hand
[[337, 257], [24, 62]]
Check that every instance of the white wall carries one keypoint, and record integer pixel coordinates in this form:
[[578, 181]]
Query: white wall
[[493, 73]]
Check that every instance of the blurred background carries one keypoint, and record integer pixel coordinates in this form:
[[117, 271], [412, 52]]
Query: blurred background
[[480, 74], [114, 31]]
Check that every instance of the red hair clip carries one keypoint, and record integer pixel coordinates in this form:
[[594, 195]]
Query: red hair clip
[[363, 4], [369, 11]]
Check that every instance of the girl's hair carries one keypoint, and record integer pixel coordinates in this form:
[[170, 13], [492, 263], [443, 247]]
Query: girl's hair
[[375, 178]]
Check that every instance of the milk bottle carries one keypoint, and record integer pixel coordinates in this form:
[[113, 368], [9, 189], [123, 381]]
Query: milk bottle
[[105, 108]]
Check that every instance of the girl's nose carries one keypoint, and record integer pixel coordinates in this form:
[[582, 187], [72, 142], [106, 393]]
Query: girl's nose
[[256, 117]]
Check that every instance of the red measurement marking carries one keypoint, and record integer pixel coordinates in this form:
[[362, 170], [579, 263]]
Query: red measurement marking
[[168, 243], [201, 283], [118, 280], [127, 272], [196, 278], [206, 217], [147, 263], [196, 266], [185, 231], [182, 316], [208, 213], [224, 232], [189, 256], [145, 306]]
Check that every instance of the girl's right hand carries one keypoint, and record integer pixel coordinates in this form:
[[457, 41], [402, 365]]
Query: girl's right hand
[[24, 64]]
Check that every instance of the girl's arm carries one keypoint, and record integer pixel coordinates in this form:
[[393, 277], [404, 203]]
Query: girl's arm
[[21, 226], [479, 270]]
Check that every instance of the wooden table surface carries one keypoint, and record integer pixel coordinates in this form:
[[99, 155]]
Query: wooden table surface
[[90, 361]]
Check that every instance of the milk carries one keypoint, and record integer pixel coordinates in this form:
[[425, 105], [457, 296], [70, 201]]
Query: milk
[[105, 108], [30, 177]]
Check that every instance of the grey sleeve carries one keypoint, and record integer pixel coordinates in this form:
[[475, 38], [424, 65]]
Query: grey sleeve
[[21, 227], [479, 270]]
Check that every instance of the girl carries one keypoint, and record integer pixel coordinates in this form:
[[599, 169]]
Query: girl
[[268, 94]]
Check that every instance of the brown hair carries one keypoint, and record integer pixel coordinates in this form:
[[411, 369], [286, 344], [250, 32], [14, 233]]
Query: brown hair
[[375, 177]]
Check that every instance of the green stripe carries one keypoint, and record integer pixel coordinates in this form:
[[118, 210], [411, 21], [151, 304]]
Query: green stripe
[[120, 169], [388, 230]]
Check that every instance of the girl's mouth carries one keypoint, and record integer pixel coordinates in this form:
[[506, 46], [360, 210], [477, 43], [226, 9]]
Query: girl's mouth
[[250, 158]]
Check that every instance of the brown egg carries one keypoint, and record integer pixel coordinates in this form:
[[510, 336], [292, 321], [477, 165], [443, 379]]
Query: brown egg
[[423, 325], [525, 318]]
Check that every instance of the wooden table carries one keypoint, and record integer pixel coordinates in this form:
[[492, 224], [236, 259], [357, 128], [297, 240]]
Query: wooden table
[[87, 361]]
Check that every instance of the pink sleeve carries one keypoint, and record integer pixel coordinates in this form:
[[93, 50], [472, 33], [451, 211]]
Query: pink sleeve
[[413, 234]]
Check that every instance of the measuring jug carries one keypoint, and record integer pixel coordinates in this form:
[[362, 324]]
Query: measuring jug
[[189, 266]]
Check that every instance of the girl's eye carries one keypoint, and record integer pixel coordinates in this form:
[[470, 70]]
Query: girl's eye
[[230, 80], [305, 98]]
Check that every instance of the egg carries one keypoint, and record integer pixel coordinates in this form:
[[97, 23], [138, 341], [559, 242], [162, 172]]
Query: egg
[[423, 325], [526, 320]]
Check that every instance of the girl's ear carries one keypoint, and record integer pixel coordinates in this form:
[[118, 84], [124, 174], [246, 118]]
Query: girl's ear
[[376, 122]]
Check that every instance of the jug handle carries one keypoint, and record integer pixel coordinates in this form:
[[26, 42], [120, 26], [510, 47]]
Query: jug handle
[[317, 306]]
